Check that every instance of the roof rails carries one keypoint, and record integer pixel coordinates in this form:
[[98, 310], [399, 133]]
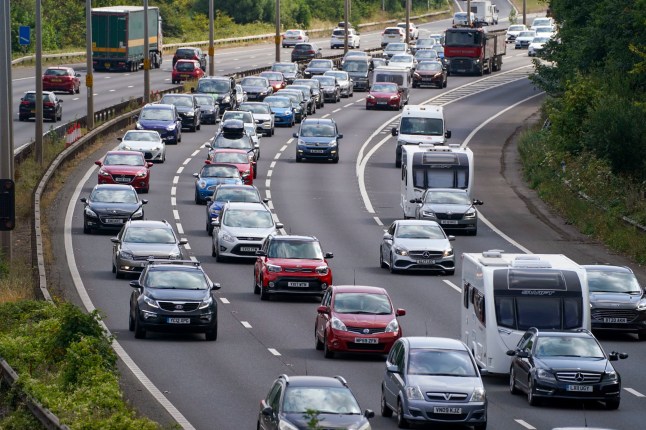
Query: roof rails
[[152, 260], [285, 377], [341, 380]]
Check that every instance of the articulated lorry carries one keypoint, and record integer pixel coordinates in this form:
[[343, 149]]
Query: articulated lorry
[[118, 38], [474, 50]]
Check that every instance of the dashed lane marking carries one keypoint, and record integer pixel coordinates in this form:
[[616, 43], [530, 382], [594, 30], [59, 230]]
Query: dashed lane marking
[[326, 115], [173, 191], [378, 221], [272, 165], [525, 424], [187, 246], [175, 214], [277, 156], [452, 285], [225, 301], [283, 148], [180, 170], [274, 352], [267, 183], [197, 151], [269, 173], [268, 194], [634, 392], [245, 324], [173, 201], [111, 91], [175, 179], [348, 105], [180, 229], [188, 160], [336, 110]]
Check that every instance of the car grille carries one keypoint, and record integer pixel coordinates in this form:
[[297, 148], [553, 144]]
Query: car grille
[[599, 314], [447, 417], [298, 270], [447, 397], [254, 239], [146, 257], [360, 330], [449, 216], [429, 254], [179, 306], [579, 377]]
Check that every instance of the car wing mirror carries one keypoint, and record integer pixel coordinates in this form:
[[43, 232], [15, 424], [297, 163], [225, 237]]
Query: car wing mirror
[[483, 372], [98, 163], [522, 354], [265, 200], [447, 134], [135, 284], [261, 253], [144, 202], [368, 413], [391, 368], [149, 164], [394, 131], [388, 236], [196, 175], [329, 255], [511, 352], [183, 241], [451, 238], [60, 100], [323, 309], [215, 223], [216, 286], [115, 240], [256, 145], [267, 411], [400, 312], [478, 202], [78, 75], [120, 139], [339, 136], [279, 225], [83, 199]]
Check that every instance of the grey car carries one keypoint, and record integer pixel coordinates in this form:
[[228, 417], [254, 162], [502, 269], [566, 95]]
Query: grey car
[[416, 245], [140, 240], [330, 87], [452, 208], [345, 81], [433, 380], [187, 108]]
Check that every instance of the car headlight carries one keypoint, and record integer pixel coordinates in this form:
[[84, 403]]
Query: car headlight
[[125, 147], [103, 173], [157, 148], [89, 212], [246, 172], [470, 214], [142, 174], [150, 302], [545, 375], [337, 324], [370, 97], [274, 268], [284, 425], [400, 251], [611, 376], [139, 213], [428, 214], [126, 255], [322, 270], [447, 252], [479, 395], [333, 143], [395, 97], [393, 326], [171, 127], [201, 183], [414, 393], [641, 306], [226, 237], [138, 126], [300, 142], [206, 302]]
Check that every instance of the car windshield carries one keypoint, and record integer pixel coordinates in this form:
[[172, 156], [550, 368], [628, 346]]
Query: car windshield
[[247, 218], [272, 76], [124, 160], [516, 28], [205, 100], [541, 21], [114, 196], [566, 346], [231, 157], [149, 235], [430, 66], [425, 43], [284, 67], [296, 98], [176, 280], [177, 100], [401, 59], [142, 136], [384, 88], [355, 66], [157, 114], [320, 63], [184, 66], [254, 82], [440, 362], [419, 231], [213, 86], [362, 303], [256, 108], [605, 281], [241, 115], [318, 130], [326, 81], [236, 195], [293, 249], [392, 31], [390, 76], [278, 102], [57, 72], [292, 33], [303, 47], [540, 40], [447, 198], [425, 53], [250, 129], [323, 400], [184, 53], [214, 171], [341, 76], [527, 34], [395, 47], [421, 126]]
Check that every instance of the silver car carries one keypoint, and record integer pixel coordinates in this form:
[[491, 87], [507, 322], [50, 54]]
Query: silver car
[[433, 380], [416, 245], [240, 230], [139, 240], [345, 82], [452, 208], [148, 142]]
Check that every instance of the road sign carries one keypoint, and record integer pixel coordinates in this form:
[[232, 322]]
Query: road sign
[[24, 33]]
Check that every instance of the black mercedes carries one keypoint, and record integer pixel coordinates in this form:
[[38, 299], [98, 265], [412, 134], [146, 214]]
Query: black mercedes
[[109, 206]]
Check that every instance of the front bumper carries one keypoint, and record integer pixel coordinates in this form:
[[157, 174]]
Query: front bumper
[[418, 262], [559, 390], [627, 320], [240, 248], [198, 321], [317, 152], [208, 116], [452, 222], [378, 103], [346, 341], [425, 411], [284, 119], [284, 283], [361, 85]]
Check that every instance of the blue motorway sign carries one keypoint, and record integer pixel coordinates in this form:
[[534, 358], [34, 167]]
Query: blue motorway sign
[[24, 35]]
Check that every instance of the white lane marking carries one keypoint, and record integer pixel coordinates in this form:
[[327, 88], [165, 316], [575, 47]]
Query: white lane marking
[[275, 217], [194, 258], [277, 156], [89, 306], [326, 115], [173, 201], [452, 285], [525, 424], [274, 352], [377, 220], [269, 173], [111, 91], [107, 77], [272, 165], [225, 301], [245, 324], [131, 86], [283, 148], [197, 151], [359, 100], [501, 234], [188, 160], [175, 179], [267, 183], [173, 191], [270, 205], [175, 214], [180, 170], [95, 94], [268, 194], [361, 172], [75, 98], [187, 246], [634, 392], [348, 105], [180, 229], [336, 110]]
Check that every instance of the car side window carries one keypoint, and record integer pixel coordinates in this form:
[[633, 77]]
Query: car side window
[[273, 398], [393, 353], [465, 294], [391, 229], [522, 343]]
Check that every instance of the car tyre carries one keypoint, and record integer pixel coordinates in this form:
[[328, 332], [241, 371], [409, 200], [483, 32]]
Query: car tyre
[[212, 335], [256, 288], [382, 263], [531, 399], [512, 382], [450, 272], [140, 332], [385, 409], [317, 342], [264, 296], [114, 268], [118, 274], [326, 350], [612, 404], [87, 229], [198, 200], [401, 421], [131, 322], [213, 252]]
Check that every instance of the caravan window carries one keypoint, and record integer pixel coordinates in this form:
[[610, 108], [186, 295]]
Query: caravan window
[[390, 77], [429, 177]]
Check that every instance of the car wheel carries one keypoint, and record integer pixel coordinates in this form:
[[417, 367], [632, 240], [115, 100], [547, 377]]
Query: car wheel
[[198, 201], [391, 266], [398, 162], [642, 335], [131, 322], [256, 288], [613, 404], [213, 253], [401, 421], [317, 342], [264, 296], [199, 126], [531, 399], [336, 159], [382, 263], [385, 410], [118, 274], [326, 350], [114, 268], [140, 332], [87, 229], [219, 258], [481, 426], [78, 90], [512, 382], [212, 335], [299, 159], [73, 90], [450, 272], [209, 229]]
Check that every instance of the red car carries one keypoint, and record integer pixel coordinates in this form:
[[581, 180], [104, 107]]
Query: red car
[[125, 167], [185, 70], [276, 80], [431, 73], [62, 79], [355, 318], [384, 95], [291, 265], [239, 158]]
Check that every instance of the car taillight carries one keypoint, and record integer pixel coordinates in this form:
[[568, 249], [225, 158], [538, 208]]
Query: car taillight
[[196, 58], [48, 104], [311, 52], [25, 103]]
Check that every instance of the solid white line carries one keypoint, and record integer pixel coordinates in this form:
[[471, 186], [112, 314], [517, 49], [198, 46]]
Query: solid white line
[[336, 110], [348, 105], [525, 424], [180, 229], [173, 201], [452, 285], [378, 221], [275, 217], [634, 392], [188, 160], [175, 179], [245, 324], [270, 205], [273, 351], [89, 306], [326, 115], [503, 235], [180, 170], [283, 148], [272, 165], [267, 183], [269, 172], [225, 301], [175, 214], [173, 191]]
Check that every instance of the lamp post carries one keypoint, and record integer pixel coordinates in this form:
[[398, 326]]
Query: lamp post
[[6, 120], [38, 142], [89, 76], [146, 56], [345, 27], [277, 36], [407, 21], [211, 45]]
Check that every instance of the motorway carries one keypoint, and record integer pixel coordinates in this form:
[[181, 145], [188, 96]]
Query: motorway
[[218, 385]]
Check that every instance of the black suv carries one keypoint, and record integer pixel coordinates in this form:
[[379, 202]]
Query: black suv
[[564, 365], [188, 109], [190, 53], [294, 401], [223, 88], [175, 296], [306, 51], [52, 107]]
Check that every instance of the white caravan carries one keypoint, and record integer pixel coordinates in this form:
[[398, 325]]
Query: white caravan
[[486, 13]]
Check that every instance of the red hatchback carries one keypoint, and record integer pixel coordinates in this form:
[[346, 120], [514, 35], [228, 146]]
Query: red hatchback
[[185, 70], [62, 79], [276, 79], [291, 265], [355, 318], [384, 95], [125, 167], [239, 158]]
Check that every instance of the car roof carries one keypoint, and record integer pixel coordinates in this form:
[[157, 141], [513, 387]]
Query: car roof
[[124, 153], [238, 186], [419, 342], [448, 190], [34, 92], [415, 222], [295, 237], [248, 206], [159, 106], [149, 223], [113, 187], [562, 333], [606, 268], [318, 121], [358, 289], [314, 381]]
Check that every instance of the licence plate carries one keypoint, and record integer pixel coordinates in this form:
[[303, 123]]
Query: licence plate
[[118, 179], [248, 248], [382, 103], [178, 320], [114, 221], [462, 70], [615, 320], [107, 65], [56, 80], [317, 151], [446, 410], [298, 284], [583, 388], [448, 221], [369, 340], [425, 261]]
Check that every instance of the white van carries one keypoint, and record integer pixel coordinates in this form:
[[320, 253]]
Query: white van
[[420, 124]]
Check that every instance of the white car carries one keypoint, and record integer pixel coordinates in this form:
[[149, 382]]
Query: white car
[[542, 21], [537, 44], [240, 230], [247, 117], [513, 31], [338, 38], [148, 142], [392, 34], [344, 81], [545, 31], [413, 31], [404, 61], [262, 115], [524, 38], [292, 37], [395, 48]]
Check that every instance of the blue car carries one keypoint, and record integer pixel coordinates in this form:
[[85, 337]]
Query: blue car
[[229, 193], [162, 118], [281, 107], [318, 139], [211, 175]]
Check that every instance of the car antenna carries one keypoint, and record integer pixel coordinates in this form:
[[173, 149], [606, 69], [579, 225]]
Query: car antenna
[[426, 324]]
